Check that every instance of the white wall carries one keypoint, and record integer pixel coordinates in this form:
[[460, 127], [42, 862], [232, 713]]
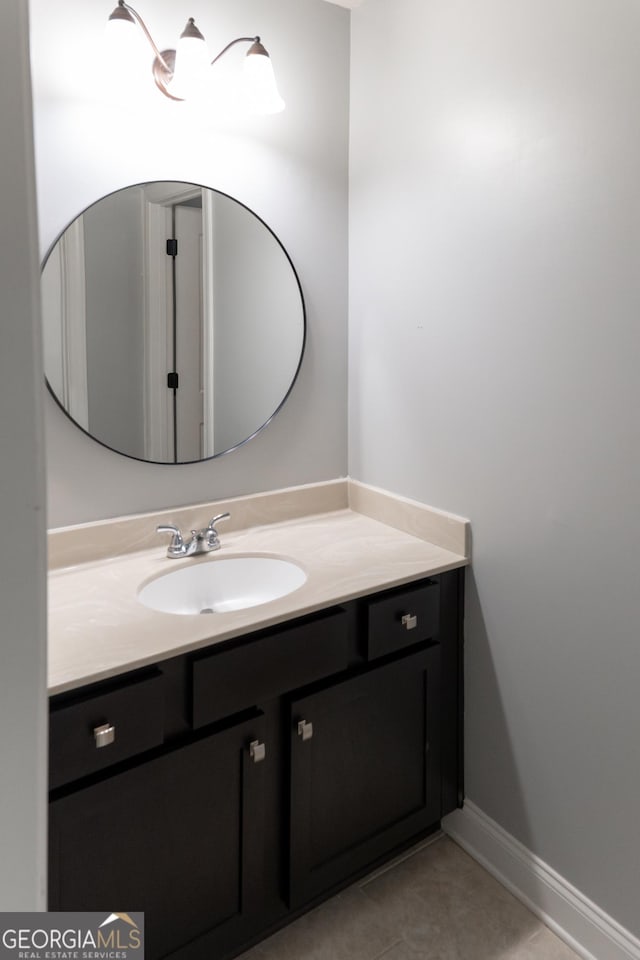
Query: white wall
[[22, 559], [291, 169], [115, 319], [494, 345], [258, 324]]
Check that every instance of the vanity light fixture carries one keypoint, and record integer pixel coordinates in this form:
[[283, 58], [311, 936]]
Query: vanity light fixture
[[180, 74]]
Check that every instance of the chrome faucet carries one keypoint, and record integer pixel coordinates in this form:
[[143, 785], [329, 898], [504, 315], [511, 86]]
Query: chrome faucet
[[202, 541]]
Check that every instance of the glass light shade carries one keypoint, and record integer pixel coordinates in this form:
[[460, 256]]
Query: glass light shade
[[192, 64], [260, 88], [120, 32], [127, 66]]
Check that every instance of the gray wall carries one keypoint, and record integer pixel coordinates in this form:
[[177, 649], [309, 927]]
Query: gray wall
[[291, 169], [494, 344], [22, 559]]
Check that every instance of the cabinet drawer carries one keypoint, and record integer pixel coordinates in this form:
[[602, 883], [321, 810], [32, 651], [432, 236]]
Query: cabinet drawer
[[77, 747], [402, 618], [232, 680]]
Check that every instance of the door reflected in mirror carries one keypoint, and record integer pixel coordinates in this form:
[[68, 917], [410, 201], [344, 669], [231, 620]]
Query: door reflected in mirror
[[174, 322]]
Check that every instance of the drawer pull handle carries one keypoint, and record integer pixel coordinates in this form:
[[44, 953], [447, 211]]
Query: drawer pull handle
[[104, 735], [257, 751], [409, 621], [305, 730]]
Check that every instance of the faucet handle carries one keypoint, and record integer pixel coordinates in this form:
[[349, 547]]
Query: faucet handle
[[177, 543], [213, 541], [214, 520]]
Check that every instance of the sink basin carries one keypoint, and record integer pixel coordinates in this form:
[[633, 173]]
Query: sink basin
[[219, 586]]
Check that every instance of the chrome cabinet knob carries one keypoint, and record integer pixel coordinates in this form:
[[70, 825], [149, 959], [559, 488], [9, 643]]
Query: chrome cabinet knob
[[257, 751], [305, 730], [409, 621], [104, 735]]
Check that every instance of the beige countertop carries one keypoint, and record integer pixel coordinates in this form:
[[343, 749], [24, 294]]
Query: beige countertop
[[98, 628]]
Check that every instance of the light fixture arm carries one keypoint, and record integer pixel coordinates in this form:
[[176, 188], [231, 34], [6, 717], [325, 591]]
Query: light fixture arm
[[232, 44], [145, 30], [164, 64]]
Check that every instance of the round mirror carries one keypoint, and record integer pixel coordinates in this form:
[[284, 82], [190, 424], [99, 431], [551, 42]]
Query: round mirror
[[174, 322]]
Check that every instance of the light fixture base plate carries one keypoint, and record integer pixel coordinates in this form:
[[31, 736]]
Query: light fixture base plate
[[162, 75]]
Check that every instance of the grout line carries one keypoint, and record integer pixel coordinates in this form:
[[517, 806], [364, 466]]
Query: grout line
[[396, 943]]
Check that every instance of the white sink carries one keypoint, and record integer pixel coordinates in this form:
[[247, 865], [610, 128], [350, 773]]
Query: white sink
[[218, 586]]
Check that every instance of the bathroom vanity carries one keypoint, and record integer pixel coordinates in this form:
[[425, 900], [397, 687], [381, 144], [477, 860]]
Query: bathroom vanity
[[229, 784]]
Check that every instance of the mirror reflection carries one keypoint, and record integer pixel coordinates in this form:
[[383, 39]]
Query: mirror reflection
[[174, 322]]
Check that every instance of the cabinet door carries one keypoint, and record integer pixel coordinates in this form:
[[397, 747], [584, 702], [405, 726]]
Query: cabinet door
[[364, 770], [178, 837]]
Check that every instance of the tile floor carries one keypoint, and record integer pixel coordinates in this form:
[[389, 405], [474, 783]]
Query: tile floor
[[435, 904]]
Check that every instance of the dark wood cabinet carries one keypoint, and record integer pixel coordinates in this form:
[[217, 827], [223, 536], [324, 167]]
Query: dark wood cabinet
[[179, 836], [365, 770], [253, 778]]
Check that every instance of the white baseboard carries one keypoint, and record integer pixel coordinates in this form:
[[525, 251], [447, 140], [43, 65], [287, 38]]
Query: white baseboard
[[587, 929]]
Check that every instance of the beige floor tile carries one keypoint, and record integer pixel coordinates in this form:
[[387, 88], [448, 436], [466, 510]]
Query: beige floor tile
[[545, 946], [347, 927], [437, 904], [446, 907], [399, 951]]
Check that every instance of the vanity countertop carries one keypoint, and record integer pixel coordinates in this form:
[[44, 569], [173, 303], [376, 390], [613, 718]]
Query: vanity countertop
[[98, 628]]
